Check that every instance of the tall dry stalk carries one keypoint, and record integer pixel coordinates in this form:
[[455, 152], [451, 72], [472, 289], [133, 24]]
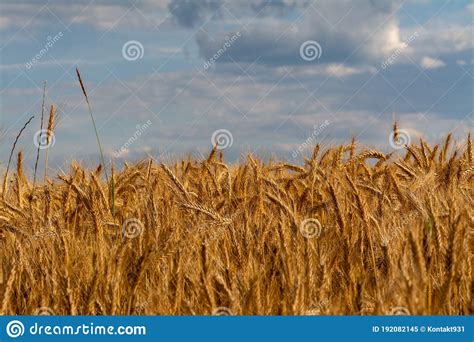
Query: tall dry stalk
[[49, 136], [93, 123], [111, 186], [10, 158], [41, 129]]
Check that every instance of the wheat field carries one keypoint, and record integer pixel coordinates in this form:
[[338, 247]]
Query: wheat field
[[350, 231]]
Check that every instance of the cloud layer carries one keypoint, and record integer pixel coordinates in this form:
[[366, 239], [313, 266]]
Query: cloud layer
[[240, 66]]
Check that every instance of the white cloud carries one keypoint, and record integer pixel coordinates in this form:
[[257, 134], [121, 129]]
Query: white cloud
[[103, 16], [432, 63], [341, 70], [386, 40], [346, 32], [440, 37], [189, 108]]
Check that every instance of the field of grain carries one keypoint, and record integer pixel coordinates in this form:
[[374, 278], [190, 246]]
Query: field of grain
[[350, 231]]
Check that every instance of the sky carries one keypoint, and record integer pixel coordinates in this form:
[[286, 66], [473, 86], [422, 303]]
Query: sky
[[170, 78]]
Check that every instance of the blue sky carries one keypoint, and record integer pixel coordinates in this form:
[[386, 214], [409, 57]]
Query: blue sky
[[236, 67]]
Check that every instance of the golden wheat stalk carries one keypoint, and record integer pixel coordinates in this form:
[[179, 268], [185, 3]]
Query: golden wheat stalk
[[49, 136], [4, 191], [41, 129], [93, 122], [233, 243]]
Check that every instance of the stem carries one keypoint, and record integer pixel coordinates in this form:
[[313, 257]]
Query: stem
[[10, 158], [41, 129]]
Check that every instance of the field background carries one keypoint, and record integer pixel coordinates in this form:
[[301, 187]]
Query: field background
[[236, 157], [350, 232]]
